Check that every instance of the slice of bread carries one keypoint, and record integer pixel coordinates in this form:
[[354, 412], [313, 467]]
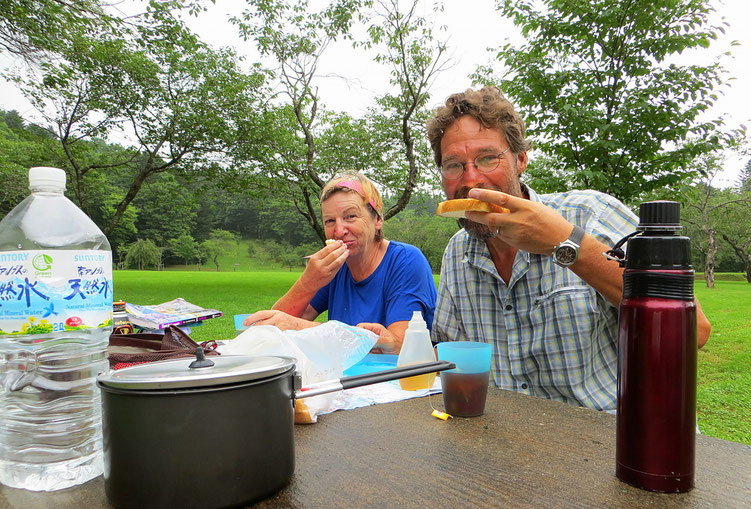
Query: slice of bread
[[457, 208]]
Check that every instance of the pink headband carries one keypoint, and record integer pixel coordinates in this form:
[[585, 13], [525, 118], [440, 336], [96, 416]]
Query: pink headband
[[357, 187]]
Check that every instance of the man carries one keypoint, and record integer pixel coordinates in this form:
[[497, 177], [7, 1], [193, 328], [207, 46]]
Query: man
[[532, 282]]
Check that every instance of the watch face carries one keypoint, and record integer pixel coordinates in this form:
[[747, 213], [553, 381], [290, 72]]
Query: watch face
[[565, 255]]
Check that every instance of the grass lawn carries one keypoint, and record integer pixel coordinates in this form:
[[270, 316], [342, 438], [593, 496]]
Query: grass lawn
[[232, 293], [724, 400], [724, 387]]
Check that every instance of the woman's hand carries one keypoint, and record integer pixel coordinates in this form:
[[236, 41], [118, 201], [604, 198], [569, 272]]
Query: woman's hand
[[279, 319], [323, 266], [388, 342], [321, 269]]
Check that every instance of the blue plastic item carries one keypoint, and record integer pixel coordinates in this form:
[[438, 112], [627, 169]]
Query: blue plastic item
[[469, 356], [372, 363], [239, 327]]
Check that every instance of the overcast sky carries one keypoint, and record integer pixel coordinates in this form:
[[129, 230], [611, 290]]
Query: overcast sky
[[349, 81]]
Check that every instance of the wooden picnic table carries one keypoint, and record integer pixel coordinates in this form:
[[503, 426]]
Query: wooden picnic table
[[523, 452]]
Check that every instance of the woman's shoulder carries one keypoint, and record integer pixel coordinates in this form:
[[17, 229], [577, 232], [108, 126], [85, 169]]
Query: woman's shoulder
[[405, 250], [405, 258]]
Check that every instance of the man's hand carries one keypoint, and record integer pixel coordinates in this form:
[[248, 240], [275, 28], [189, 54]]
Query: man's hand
[[323, 266], [279, 319], [530, 226], [388, 342]]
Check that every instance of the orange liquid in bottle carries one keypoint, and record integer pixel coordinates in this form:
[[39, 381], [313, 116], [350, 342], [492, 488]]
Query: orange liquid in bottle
[[417, 382]]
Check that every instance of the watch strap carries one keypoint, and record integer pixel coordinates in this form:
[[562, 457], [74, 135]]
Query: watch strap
[[577, 235], [572, 243]]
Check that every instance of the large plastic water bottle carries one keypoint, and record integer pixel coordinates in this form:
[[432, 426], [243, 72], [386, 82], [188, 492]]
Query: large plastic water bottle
[[55, 321]]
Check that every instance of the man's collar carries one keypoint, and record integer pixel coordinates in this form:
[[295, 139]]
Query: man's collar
[[529, 193]]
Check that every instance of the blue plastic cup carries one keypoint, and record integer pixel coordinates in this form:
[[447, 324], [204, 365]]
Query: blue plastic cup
[[239, 327], [465, 388]]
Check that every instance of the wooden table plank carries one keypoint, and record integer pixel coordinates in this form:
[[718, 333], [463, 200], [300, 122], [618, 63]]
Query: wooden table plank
[[524, 452]]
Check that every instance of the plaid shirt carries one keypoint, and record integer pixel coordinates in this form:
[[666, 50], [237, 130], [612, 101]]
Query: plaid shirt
[[553, 335]]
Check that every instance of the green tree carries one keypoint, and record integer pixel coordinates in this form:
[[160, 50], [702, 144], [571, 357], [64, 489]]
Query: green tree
[[706, 210], [22, 146], [201, 256], [143, 253], [219, 243], [33, 28], [267, 252], [602, 100], [175, 98], [735, 228], [185, 247], [744, 179], [15, 186], [167, 207], [427, 232], [125, 230], [407, 46], [251, 208], [309, 143], [295, 36], [292, 258]]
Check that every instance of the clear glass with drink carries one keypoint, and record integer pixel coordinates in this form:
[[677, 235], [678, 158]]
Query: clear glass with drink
[[465, 387]]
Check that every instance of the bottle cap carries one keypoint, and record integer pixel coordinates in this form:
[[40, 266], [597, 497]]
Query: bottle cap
[[46, 177], [657, 247], [660, 215], [417, 321]]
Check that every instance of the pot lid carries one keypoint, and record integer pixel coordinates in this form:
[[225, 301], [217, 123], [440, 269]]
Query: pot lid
[[177, 374]]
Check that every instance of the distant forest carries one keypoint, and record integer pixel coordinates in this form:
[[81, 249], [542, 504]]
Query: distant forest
[[193, 208], [201, 218], [182, 152]]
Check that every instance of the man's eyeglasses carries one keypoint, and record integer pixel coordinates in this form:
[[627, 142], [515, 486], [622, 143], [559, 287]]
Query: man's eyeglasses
[[483, 163]]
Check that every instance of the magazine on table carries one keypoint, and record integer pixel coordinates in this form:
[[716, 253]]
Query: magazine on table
[[175, 312]]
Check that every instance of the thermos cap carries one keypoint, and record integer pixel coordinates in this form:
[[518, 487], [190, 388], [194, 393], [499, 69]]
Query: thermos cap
[[657, 247], [661, 214]]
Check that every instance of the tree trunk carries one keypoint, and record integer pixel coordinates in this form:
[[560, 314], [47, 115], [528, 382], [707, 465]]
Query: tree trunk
[[409, 152], [711, 256], [123, 205], [310, 214], [741, 251]]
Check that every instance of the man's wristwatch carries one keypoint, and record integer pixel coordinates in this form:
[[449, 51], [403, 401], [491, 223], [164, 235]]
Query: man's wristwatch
[[566, 253]]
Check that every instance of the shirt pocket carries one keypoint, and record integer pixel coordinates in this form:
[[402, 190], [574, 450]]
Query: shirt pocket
[[562, 337]]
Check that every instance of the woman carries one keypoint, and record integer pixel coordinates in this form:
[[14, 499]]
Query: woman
[[358, 276]]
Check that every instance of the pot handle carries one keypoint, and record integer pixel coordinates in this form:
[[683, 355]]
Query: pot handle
[[348, 382]]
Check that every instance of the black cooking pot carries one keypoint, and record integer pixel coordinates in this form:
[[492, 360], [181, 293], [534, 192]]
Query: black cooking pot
[[218, 435]]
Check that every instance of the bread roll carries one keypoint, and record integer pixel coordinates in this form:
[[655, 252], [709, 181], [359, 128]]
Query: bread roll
[[457, 208], [302, 413]]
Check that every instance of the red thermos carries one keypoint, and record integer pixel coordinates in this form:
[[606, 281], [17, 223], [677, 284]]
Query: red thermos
[[657, 349]]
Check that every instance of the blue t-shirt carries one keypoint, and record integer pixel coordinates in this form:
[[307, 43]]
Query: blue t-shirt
[[402, 283]]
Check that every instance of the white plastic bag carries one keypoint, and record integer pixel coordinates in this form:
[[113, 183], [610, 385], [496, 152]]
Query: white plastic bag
[[322, 353]]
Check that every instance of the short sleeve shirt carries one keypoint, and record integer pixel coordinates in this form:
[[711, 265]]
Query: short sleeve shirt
[[402, 283], [553, 335]]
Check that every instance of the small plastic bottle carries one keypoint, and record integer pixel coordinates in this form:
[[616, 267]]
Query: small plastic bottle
[[416, 349], [55, 322]]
